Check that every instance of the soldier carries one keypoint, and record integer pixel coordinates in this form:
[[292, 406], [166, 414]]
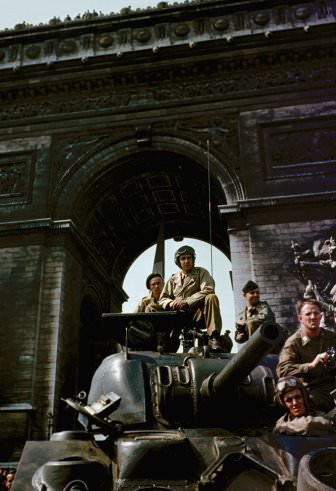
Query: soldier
[[154, 283], [305, 355], [193, 289], [254, 314], [299, 419]]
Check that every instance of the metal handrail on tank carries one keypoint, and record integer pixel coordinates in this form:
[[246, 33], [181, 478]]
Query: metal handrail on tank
[[262, 341]]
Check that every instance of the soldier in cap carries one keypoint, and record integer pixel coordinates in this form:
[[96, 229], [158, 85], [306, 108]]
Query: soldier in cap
[[154, 283], [300, 418], [193, 289], [254, 314]]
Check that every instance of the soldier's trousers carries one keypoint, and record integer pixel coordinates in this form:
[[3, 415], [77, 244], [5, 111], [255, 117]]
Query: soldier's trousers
[[205, 316]]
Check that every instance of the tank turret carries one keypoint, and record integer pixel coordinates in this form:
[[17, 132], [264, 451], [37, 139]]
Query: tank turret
[[165, 420], [174, 389]]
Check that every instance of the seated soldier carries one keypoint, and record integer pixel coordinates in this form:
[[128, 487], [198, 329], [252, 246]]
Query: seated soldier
[[254, 314], [193, 289], [305, 354], [299, 418], [154, 284]]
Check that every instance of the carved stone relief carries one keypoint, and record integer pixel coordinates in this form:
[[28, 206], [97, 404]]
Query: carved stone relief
[[231, 77], [315, 266], [218, 134], [71, 150], [299, 147], [15, 178]]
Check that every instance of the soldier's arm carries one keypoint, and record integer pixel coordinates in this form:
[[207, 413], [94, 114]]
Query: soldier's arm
[[139, 308], [289, 362], [207, 286], [167, 295], [264, 313]]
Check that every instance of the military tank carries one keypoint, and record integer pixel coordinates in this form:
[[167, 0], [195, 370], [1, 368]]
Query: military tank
[[158, 419]]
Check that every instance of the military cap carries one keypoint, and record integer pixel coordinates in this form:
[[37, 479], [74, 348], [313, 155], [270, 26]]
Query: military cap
[[150, 277], [249, 286]]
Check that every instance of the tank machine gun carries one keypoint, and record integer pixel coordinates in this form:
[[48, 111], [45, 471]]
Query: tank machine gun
[[162, 420]]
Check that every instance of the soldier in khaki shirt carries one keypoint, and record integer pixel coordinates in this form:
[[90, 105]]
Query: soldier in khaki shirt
[[154, 284], [299, 419], [254, 314], [304, 355], [193, 288]]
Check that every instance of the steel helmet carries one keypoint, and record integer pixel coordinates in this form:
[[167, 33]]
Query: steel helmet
[[184, 250], [287, 384]]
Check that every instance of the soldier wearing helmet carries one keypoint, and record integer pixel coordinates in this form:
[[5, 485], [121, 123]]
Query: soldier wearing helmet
[[299, 418], [193, 288]]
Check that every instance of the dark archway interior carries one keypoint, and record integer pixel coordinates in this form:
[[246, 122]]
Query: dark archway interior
[[90, 327], [122, 211], [94, 344]]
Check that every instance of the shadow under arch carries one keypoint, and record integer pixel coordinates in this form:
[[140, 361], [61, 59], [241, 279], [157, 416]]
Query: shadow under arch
[[81, 175], [93, 342], [121, 194]]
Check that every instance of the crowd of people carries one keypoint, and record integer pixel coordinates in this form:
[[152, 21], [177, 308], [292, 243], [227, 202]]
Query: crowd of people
[[306, 370], [6, 478]]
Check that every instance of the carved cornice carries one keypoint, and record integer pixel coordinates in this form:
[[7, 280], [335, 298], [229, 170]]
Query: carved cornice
[[163, 29], [273, 202], [230, 77]]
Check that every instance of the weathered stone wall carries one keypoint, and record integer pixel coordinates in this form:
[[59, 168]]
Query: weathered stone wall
[[107, 129], [56, 360], [39, 329], [42, 287], [263, 253], [20, 289]]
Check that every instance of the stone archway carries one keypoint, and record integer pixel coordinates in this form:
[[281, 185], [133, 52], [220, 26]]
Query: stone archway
[[119, 197]]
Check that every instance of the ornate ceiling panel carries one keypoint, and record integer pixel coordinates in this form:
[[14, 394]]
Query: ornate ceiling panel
[[123, 220]]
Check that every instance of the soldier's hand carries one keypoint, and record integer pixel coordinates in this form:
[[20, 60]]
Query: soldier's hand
[[240, 326], [320, 359], [178, 304]]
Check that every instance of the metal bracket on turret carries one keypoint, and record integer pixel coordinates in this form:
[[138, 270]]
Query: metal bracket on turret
[[99, 411]]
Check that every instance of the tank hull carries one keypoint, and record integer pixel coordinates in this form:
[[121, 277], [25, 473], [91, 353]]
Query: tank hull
[[177, 459]]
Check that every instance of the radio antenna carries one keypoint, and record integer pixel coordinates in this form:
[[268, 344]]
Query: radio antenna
[[209, 199], [214, 135]]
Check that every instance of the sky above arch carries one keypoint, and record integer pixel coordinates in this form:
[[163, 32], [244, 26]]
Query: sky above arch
[[41, 11]]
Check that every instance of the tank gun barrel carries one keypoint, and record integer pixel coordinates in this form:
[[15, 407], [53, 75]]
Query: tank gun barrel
[[263, 340]]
